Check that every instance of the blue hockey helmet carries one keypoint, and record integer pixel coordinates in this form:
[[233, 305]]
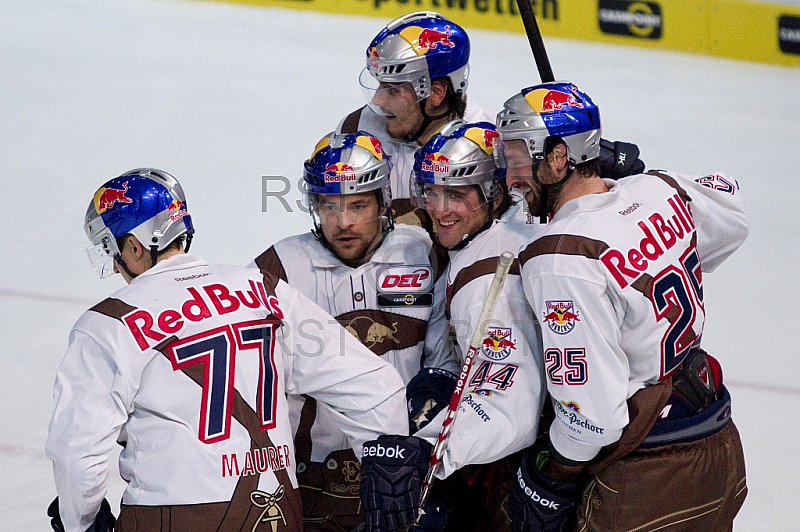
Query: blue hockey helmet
[[146, 203], [418, 48], [459, 155], [352, 163], [556, 109]]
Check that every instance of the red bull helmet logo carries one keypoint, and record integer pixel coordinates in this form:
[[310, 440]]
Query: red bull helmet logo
[[560, 316], [548, 100], [105, 198], [373, 58], [436, 162], [177, 210], [371, 144], [424, 39], [484, 138], [340, 173], [498, 343]]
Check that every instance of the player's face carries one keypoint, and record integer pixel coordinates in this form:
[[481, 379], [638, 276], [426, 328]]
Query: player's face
[[350, 223], [457, 212], [400, 106], [519, 172]]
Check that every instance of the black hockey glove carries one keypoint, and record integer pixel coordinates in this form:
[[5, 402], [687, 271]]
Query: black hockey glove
[[428, 393], [104, 522], [619, 159], [392, 470], [537, 503]]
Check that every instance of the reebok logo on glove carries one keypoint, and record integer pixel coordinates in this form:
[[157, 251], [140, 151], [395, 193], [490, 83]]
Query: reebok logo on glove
[[535, 496], [381, 451]]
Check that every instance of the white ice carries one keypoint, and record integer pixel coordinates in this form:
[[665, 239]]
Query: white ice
[[221, 94]]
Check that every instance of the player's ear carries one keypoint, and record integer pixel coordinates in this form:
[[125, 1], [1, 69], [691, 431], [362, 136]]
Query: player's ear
[[438, 92], [135, 247], [559, 156]]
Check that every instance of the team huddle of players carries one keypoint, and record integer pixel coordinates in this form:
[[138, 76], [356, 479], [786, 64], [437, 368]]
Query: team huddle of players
[[306, 390]]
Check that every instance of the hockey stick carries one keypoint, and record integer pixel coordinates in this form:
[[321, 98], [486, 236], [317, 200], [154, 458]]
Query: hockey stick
[[535, 40], [500, 274]]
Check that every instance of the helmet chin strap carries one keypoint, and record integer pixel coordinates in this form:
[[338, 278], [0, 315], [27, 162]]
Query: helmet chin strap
[[427, 119], [546, 191], [468, 238], [118, 259]]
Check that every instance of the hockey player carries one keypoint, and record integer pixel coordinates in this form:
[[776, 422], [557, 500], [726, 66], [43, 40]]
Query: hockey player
[[416, 75], [188, 368], [477, 220], [378, 282], [615, 280]]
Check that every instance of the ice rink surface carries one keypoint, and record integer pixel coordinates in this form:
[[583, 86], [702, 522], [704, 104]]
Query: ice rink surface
[[221, 95]]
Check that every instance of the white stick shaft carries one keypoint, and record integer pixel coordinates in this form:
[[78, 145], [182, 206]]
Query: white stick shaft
[[500, 274]]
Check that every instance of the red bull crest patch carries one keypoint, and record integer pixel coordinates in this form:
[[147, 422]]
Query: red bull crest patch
[[498, 343], [561, 316]]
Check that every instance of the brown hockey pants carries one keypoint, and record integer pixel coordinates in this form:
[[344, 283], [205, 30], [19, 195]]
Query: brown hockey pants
[[692, 486]]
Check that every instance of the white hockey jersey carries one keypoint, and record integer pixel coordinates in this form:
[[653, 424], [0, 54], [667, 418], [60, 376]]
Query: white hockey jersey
[[401, 151], [188, 367], [504, 394], [393, 303], [616, 281]]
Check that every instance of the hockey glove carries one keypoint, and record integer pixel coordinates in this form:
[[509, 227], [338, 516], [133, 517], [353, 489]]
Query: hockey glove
[[103, 522], [428, 393], [537, 503], [619, 159], [392, 470]]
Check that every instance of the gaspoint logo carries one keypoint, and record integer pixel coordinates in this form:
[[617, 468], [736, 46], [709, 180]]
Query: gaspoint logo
[[631, 18]]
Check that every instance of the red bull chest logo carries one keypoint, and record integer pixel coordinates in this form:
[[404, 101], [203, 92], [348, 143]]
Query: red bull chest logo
[[498, 343], [561, 316], [436, 162], [340, 173], [424, 39], [547, 100], [105, 198]]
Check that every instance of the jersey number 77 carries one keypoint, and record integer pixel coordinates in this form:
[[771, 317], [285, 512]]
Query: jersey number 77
[[217, 349]]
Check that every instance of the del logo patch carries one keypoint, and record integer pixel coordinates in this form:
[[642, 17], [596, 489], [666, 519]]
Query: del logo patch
[[561, 316], [498, 343], [408, 285]]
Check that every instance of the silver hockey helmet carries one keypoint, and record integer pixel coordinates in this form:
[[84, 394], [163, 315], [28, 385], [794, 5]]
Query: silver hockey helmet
[[459, 155], [418, 48]]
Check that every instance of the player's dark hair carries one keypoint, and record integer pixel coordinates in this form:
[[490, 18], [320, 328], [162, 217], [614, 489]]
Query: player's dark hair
[[589, 168], [456, 103]]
